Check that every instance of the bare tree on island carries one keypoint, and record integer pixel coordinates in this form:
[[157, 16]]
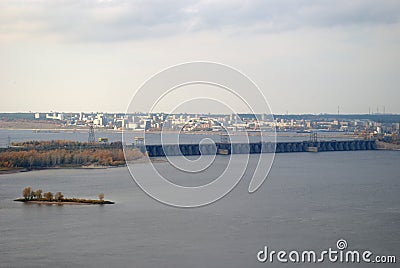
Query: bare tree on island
[[32, 195], [58, 196], [48, 196], [38, 194], [26, 193]]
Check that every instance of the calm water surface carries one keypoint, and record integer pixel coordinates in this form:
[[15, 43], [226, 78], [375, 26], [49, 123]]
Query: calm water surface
[[151, 138], [309, 201]]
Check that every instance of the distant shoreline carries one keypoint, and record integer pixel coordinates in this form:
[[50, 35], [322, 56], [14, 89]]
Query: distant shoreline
[[387, 146], [18, 170], [81, 129]]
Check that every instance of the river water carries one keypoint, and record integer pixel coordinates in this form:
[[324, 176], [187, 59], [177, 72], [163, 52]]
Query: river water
[[308, 202], [151, 138]]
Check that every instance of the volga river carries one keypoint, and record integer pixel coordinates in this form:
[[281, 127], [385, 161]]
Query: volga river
[[7, 136], [308, 202]]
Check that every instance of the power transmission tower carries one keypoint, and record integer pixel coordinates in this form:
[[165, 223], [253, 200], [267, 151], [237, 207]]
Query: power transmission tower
[[139, 141], [313, 137], [91, 138], [8, 141], [224, 137]]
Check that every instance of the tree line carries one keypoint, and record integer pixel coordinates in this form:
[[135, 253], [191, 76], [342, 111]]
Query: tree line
[[33, 158], [30, 195], [66, 144]]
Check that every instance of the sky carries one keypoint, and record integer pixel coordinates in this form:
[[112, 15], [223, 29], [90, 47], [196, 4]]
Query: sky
[[306, 56]]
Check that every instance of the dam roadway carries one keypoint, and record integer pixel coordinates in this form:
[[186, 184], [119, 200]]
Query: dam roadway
[[256, 148]]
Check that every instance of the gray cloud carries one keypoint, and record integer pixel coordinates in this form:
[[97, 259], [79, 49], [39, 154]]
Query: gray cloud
[[119, 20]]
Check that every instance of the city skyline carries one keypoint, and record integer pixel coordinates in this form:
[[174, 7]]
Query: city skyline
[[369, 123], [370, 112]]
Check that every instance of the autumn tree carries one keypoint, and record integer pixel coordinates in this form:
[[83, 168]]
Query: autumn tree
[[48, 196], [38, 193], [26, 193], [58, 196], [32, 195], [59, 153]]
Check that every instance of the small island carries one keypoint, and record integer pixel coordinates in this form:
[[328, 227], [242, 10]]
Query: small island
[[38, 197]]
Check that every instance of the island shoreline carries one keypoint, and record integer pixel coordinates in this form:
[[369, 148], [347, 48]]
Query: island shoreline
[[65, 202]]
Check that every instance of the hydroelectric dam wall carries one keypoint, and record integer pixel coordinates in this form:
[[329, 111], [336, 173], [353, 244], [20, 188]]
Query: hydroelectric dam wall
[[256, 148]]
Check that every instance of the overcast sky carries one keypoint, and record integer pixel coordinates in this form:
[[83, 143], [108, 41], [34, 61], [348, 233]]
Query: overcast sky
[[306, 56]]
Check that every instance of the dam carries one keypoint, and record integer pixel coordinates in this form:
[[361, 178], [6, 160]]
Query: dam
[[256, 148]]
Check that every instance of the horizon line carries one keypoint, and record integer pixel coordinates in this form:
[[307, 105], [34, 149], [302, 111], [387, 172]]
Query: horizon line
[[202, 113]]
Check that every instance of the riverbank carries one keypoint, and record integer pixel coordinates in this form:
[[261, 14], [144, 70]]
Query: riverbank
[[143, 160], [4, 170], [37, 155], [387, 146], [17, 170]]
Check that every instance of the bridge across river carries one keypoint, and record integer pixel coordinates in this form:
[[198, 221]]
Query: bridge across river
[[256, 148]]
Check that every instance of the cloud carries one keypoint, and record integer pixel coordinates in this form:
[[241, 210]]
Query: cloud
[[121, 20]]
